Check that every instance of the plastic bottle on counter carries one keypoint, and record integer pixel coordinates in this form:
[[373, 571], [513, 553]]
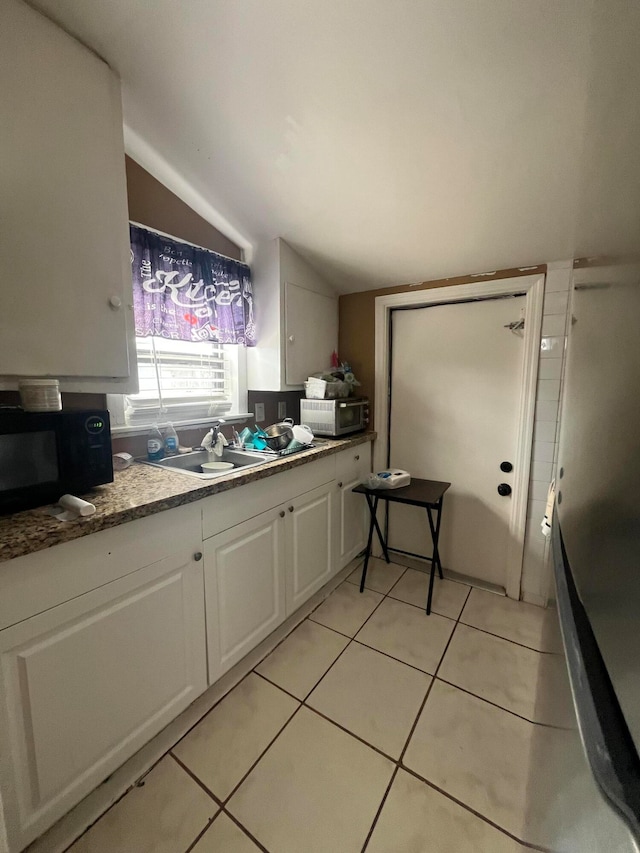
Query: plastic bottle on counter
[[170, 441], [155, 445]]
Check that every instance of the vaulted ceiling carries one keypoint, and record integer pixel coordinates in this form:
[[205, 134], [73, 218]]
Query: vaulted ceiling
[[389, 141]]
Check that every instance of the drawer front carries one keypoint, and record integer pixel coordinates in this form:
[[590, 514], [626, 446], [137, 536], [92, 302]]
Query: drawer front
[[354, 464], [36, 582], [227, 509]]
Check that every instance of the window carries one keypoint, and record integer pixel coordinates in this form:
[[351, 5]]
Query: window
[[183, 381]]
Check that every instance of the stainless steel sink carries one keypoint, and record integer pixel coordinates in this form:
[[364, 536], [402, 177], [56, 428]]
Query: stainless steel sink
[[191, 463]]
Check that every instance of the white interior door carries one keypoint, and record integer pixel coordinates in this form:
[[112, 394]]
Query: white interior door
[[456, 383]]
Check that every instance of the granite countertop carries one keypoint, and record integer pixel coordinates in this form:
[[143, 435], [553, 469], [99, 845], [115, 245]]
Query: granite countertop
[[143, 490]]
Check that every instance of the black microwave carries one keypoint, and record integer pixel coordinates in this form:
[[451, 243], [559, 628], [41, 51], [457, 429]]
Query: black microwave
[[45, 455]]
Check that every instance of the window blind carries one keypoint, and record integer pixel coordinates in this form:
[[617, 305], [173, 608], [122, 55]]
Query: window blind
[[181, 380]]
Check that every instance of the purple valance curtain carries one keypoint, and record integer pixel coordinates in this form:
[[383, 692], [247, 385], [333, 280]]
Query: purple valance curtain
[[185, 293]]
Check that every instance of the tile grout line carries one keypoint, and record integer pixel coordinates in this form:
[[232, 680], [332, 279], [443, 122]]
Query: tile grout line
[[258, 844], [205, 715], [394, 761], [508, 639], [415, 669], [222, 804], [444, 793], [502, 708], [411, 731], [195, 778], [201, 833], [391, 657], [459, 619], [224, 801], [303, 703], [474, 812], [380, 807], [435, 674], [399, 762]]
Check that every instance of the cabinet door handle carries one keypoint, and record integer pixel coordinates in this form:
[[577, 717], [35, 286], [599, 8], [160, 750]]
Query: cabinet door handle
[[290, 509], [339, 485], [357, 458], [282, 514], [197, 556]]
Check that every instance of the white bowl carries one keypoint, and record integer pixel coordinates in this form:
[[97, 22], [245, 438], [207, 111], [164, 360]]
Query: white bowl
[[216, 467]]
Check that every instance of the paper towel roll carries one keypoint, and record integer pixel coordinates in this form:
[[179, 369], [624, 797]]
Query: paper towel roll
[[77, 505]]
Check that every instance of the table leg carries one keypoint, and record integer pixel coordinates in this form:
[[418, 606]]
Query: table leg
[[381, 539], [440, 502], [373, 507], [435, 560]]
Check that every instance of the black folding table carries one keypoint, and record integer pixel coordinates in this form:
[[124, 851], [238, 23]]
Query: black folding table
[[426, 493]]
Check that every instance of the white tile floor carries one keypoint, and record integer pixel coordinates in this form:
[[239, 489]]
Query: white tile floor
[[371, 726]]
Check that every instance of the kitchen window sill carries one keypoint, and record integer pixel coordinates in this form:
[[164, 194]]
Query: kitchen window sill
[[139, 429]]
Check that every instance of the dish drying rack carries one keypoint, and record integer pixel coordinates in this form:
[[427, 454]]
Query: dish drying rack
[[274, 454]]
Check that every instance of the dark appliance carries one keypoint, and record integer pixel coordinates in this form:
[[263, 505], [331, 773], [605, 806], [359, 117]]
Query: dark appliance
[[45, 455]]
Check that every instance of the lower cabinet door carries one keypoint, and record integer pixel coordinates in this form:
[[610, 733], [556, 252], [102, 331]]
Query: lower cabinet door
[[310, 544], [352, 515], [352, 522], [85, 684], [244, 588]]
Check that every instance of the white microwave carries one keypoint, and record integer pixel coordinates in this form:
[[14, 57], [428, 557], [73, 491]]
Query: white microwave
[[335, 417]]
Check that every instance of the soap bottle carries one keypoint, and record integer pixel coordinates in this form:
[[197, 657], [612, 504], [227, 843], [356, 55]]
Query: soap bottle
[[155, 445], [170, 441]]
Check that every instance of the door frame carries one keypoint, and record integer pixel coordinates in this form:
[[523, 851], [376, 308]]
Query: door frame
[[532, 286]]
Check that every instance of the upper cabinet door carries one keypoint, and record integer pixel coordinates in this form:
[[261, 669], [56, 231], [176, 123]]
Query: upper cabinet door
[[311, 321], [64, 241]]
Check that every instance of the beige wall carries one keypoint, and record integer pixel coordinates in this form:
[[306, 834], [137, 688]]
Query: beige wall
[[153, 205], [357, 322]]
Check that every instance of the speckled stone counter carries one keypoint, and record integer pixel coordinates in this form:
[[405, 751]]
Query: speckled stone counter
[[143, 490]]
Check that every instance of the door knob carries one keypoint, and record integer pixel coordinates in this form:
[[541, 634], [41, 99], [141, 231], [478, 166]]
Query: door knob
[[506, 467], [339, 485], [504, 489], [197, 556], [290, 509]]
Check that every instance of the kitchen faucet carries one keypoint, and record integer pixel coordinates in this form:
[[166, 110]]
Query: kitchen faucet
[[210, 439], [216, 429]]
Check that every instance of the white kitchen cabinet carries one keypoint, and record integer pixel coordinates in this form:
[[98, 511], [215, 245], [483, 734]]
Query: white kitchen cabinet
[[311, 332], [351, 513], [67, 311], [244, 588], [298, 319], [85, 684], [310, 545]]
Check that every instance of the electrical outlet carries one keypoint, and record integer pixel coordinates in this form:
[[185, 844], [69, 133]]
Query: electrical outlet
[[282, 409], [259, 412]]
